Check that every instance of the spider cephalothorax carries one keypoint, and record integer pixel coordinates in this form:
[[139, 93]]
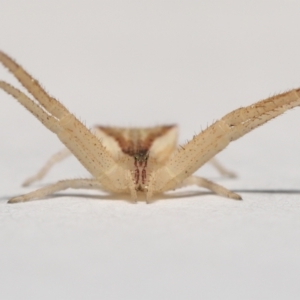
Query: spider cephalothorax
[[141, 149]]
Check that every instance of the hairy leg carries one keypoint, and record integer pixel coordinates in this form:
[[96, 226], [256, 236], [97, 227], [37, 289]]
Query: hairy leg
[[80, 141], [53, 160], [215, 138], [56, 187], [214, 187], [221, 169]]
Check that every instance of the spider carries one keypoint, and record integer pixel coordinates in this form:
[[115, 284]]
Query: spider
[[141, 162]]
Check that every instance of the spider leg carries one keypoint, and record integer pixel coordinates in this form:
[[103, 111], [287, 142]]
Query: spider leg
[[49, 121], [204, 146], [33, 87], [53, 160], [212, 186], [221, 169], [80, 141], [56, 187]]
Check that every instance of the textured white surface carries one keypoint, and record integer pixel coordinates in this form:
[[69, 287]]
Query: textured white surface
[[136, 63]]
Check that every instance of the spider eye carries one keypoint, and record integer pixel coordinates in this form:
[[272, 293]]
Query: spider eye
[[141, 157]]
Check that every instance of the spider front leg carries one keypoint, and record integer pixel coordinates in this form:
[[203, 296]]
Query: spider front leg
[[84, 145], [204, 146], [77, 138]]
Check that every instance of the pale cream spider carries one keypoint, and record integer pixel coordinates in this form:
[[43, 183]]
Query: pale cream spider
[[140, 162]]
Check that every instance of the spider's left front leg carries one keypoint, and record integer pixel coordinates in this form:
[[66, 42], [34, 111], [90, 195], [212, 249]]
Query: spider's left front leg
[[84, 145]]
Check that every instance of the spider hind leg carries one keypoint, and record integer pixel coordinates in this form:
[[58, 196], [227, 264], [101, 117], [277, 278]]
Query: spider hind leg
[[212, 186], [56, 187]]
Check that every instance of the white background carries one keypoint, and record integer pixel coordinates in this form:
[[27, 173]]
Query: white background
[[141, 63]]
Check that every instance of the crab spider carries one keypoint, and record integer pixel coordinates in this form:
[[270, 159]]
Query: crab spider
[[141, 162]]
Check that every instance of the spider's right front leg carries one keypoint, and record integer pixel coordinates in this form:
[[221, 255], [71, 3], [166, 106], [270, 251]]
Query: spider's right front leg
[[204, 146]]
